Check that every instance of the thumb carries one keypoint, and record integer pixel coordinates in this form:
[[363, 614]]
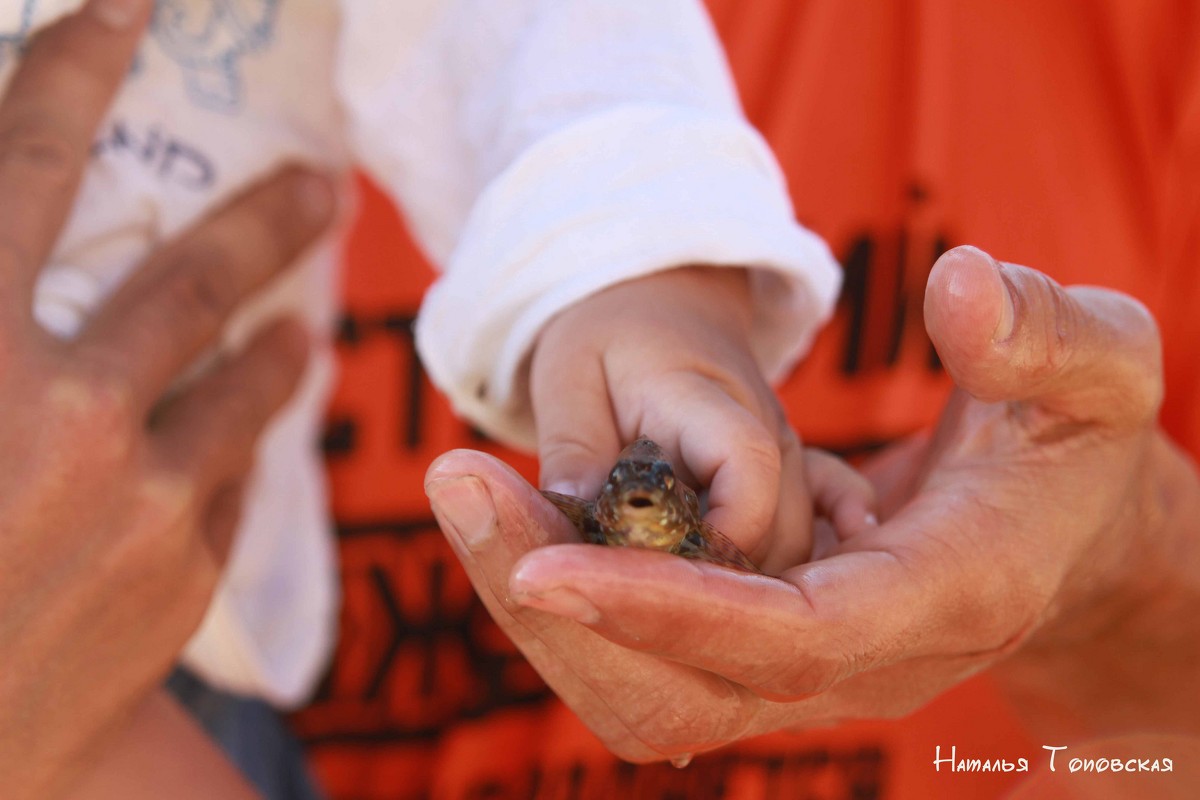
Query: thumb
[[578, 439], [1010, 333]]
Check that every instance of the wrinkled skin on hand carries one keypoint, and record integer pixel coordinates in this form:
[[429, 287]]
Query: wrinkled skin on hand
[[1044, 509], [119, 490]]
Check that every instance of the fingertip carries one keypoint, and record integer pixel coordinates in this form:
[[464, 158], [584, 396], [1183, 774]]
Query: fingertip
[[572, 468], [983, 317], [562, 602], [120, 15], [594, 570], [442, 468], [578, 438], [282, 348], [314, 194], [533, 574], [462, 462], [465, 510], [966, 297], [853, 519]]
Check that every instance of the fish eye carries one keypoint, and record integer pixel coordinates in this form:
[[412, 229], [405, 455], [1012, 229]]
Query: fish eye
[[662, 474]]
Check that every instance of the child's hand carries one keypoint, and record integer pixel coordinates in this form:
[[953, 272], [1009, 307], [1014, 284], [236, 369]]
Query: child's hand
[[668, 356]]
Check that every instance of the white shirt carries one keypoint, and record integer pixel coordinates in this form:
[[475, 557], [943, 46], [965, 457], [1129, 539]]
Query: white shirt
[[541, 149]]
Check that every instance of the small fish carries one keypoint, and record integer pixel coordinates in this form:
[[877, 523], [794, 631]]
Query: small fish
[[642, 504]]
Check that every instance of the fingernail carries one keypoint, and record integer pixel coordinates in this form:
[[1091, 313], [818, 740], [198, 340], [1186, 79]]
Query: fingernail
[[1004, 327], [315, 198], [118, 15], [464, 509], [562, 602]]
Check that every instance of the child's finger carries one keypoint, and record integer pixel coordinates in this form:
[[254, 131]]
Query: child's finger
[[841, 494], [731, 452], [578, 440]]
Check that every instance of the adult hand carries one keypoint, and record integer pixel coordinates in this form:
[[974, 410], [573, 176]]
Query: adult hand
[[668, 356], [117, 506], [1045, 507]]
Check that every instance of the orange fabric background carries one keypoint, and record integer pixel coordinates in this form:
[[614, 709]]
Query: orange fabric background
[[1055, 134]]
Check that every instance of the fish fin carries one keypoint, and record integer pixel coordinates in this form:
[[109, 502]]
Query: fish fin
[[581, 513], [709, 544]]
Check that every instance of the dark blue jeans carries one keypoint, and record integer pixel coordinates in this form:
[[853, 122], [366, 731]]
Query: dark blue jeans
[[252, 736]]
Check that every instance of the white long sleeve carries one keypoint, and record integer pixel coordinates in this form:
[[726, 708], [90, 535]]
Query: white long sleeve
[[546, 149], [543, 149]]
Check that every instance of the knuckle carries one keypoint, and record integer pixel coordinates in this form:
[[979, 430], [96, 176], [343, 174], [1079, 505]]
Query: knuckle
[[147, 547], [96, 411], [1006, 604], [1053, 344], [112, 399], [758, 459], [1146, 399], [761, 450], [202, 290], [33, 150], [563, 448], [1092, 329], [271, 226], [1146, 385], [1021, 605], [786, 435], [165, 497]]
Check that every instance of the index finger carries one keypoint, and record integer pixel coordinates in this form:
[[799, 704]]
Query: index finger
[[48, 118]]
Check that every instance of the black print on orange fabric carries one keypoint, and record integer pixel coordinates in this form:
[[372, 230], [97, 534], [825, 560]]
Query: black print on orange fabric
[[418, 651], [882, 297], [814, 774], [340, 437], [354, 329]]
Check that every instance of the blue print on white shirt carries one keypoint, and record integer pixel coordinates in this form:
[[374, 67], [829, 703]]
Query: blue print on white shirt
[[208, 39], [14, 29]]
